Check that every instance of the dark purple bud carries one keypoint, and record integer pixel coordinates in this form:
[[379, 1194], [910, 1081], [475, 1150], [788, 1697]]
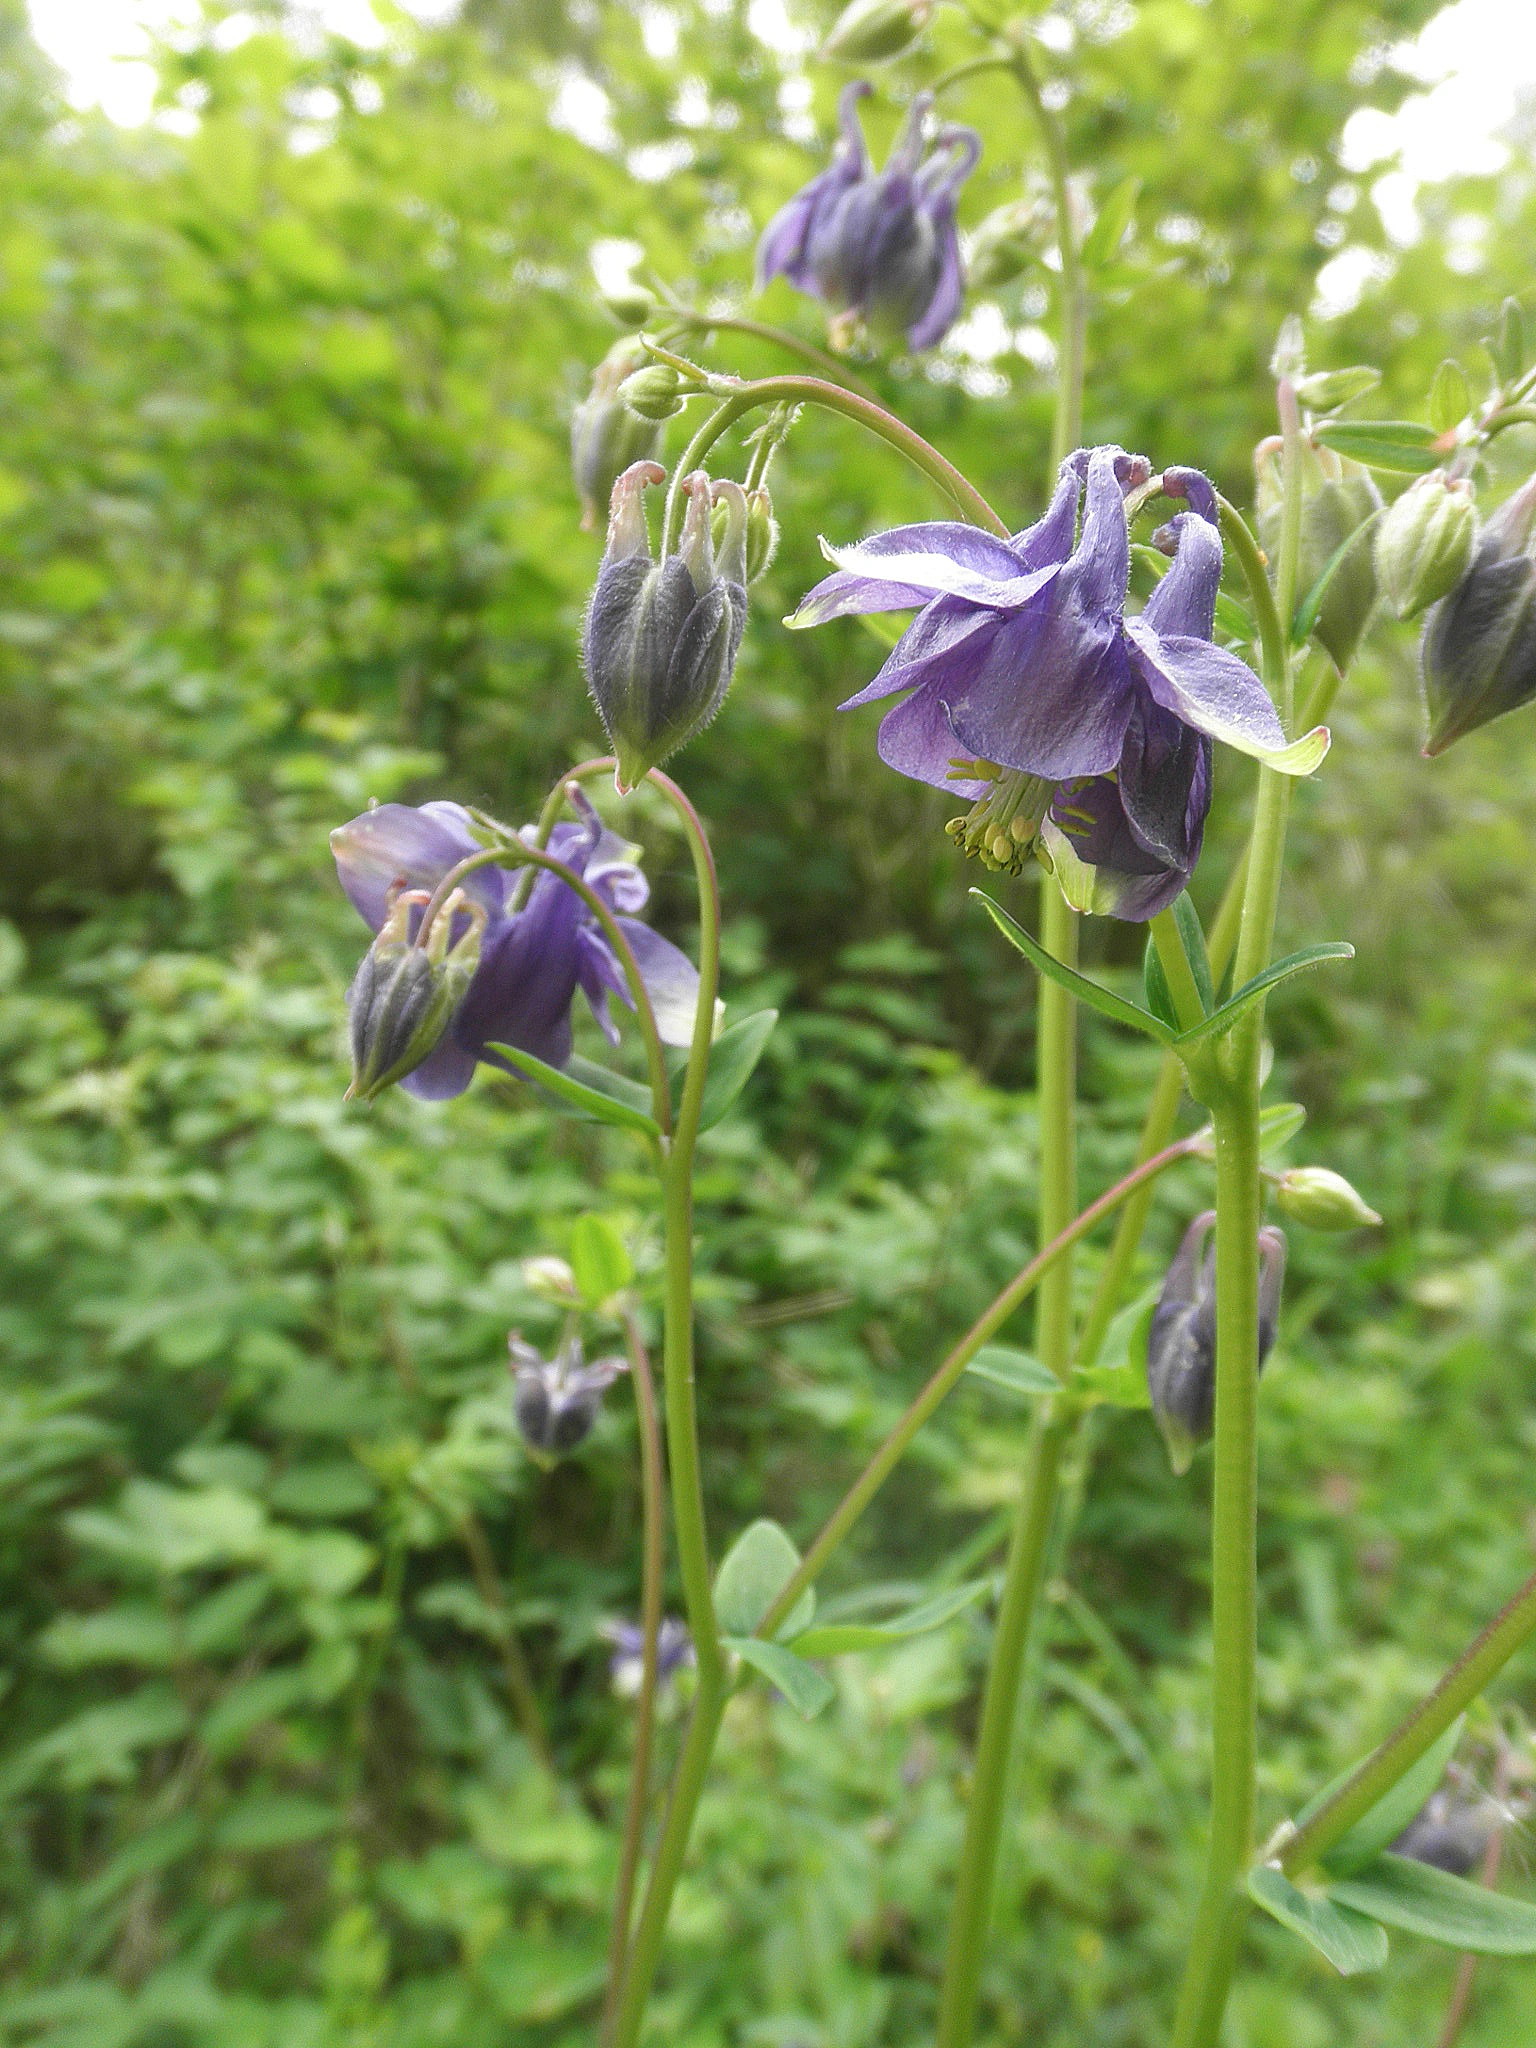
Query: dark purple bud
[[1450, 1832], [606, 435], [404, 995], [555, 1400], [1181, 1342], [662, 637], [1478, 657]]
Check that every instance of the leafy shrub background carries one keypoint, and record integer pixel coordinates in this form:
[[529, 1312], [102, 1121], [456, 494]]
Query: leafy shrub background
[[285, 523]]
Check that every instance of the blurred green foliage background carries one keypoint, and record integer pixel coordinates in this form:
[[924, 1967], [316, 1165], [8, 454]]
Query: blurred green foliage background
[[286, 523]]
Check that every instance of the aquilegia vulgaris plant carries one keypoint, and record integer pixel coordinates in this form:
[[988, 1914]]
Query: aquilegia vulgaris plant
[[1080, 684]]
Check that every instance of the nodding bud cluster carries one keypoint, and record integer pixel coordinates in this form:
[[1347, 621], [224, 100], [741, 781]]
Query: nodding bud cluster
[[1181, 1342], [1338, 497], [1450, 1831], [404, 994], [555, 1400], [1424, 543], [872, 31], [661, 637], [1009, 240], [1478, 657], [607, 435], [1321, 1199]]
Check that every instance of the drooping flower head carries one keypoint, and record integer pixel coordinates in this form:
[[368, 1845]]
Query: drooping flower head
[[879, 246], [1478, 656], [662, 637], [555, 1400], [1081, 737], [533, 959], [1181, 1341]]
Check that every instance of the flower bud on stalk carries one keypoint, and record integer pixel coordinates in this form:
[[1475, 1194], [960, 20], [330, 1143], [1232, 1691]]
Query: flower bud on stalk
[[655, 392], [1478, 655], [1424, 543], [555, 1400], [1005, 245], [762, 531], [661, 637], [871, 31], [405, 993], [1338, 497], [1181, 1342], [630, 304], [606, 436], [1322, 1200]]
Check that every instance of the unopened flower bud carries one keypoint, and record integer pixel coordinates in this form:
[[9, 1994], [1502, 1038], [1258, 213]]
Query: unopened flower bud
[[1322, 1200], [551, 1279], [1327, 390], [1450, 1832], [655, 392], [606, 437], [1006, 244], [555, 1400], [762, 530], [1478, 655], [1338, 497], [1181, 1342], [661, 637], [404, 994], [871, 31], [1424, 543], [630, 304]]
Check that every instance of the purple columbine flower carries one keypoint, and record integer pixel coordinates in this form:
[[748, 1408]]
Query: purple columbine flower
[[674, 1651], [555, 1401], [533, 959], [1080, 736], [879, 246]]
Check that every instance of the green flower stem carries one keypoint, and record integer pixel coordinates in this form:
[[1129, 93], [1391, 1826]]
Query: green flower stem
[[682, 1804], [986, 1326], [760, 330], [652, 1490], [1479, 1663], [1232, 1080], [1068, 426], [738, 398]]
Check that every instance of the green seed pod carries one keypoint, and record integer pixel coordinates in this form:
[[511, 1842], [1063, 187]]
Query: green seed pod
[[655, 393], [1424, 543], [606, 437], [872, 31], [1321, 1200]]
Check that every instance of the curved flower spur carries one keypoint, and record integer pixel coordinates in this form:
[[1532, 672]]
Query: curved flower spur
[[1081, 738], [878, 247], [532, 957]]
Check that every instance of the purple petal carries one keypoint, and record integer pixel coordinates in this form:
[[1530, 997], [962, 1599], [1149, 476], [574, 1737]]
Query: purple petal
[[949, 289], [784, 247], [917, 739], [1100, 864], [1101, 563], [446, 1071], [1185, 599], [1050, 693], [416, 846], [1194, 486], [671, 981], [1165, 785], [529, 965], [599, 973], [913, 575], [1050, 538], [1216, 693], [929, 650]]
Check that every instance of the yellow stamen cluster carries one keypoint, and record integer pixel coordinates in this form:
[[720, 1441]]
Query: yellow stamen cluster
[[1002, 828]]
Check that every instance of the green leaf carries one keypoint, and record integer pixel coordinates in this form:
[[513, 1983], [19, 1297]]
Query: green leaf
[[1101, 999], [731, 1059], [1352, 1943], [1385, 1821], [1450, 397], [599, 1259], [1015, 1370], [1222, 1020], [1116, 213], [1422, 1900], [1507, 344], [1405, 446], [1310, 609], [837, 1639], [607, 1107], [807, 1689], [1235, 620], [1154, 986], [758, 1564], [1192, 938]]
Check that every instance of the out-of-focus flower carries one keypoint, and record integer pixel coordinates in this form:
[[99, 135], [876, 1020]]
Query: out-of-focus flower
[[674, 1653], [1181, 1341], [1082, 737], [874, 31], [879, 246], [606, 434], [555, 1400], [1478, 655], [1450, 1831], [662, 637], [1424, 543], [532, 960]]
